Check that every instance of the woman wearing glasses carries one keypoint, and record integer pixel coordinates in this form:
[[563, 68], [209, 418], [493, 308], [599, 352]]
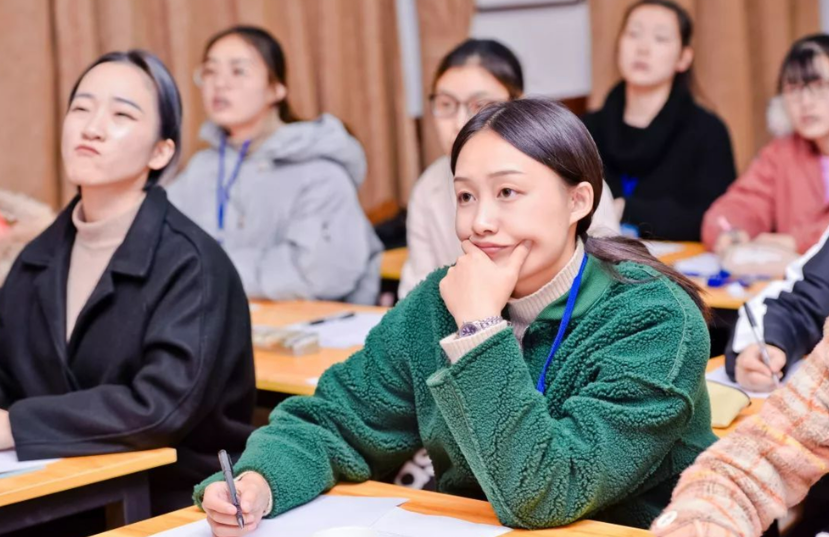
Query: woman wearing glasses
[[476, 73], [786, 189], [280, 194]]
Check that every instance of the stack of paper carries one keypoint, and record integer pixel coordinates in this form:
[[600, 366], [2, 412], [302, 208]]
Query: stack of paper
[[663, 248], [9, 465], [342, 333], [704, 265]]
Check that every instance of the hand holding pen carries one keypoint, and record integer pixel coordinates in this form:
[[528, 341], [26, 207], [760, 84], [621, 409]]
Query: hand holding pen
[[235, 507], [758, 366]]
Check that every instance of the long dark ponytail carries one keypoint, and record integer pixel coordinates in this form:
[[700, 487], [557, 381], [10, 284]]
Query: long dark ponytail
[[547, 132]]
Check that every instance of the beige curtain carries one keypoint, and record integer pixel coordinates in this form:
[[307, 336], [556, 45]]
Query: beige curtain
[[739, 46], [443, 24], [343, 58], [29, 157]]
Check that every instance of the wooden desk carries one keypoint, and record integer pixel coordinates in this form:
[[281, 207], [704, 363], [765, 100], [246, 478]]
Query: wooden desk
[[297, 375], [78, 484], [750, 410], [429, 503], [391, 264], [718, 297]]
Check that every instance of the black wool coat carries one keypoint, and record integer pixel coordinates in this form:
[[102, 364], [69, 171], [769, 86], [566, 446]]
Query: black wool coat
[[161, 353]]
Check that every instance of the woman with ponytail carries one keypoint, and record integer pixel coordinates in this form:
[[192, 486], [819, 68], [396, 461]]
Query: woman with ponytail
[[557, 375]]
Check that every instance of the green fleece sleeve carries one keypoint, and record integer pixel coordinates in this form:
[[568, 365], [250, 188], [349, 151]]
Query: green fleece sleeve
[[360, 424], [541, 471]]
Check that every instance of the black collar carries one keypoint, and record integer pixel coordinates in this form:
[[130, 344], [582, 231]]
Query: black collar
[[134, 256]]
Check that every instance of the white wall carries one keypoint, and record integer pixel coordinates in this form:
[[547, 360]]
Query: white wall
[[409, 36], [824, 15], [553, 44]]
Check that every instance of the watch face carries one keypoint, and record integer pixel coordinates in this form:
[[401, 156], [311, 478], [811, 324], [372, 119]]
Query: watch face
[[467, 329]]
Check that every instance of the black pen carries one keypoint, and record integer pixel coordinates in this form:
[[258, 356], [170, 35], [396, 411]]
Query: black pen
[[335, 317], [227, 470], [764, 352]]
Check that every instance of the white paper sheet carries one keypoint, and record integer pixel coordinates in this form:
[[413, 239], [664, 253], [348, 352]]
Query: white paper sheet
[[341, 334], [402, 523], [719, 375], [706, 264], [9, 463], [663, 248], [325, 512]]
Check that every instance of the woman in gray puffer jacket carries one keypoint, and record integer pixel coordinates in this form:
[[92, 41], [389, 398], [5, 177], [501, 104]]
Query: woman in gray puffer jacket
[[278, 193]]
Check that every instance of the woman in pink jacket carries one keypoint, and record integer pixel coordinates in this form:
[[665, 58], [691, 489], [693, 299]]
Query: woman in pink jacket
[[786, 189]]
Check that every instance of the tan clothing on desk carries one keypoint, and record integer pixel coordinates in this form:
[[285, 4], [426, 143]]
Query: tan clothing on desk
[[430, 225], [95, 242]]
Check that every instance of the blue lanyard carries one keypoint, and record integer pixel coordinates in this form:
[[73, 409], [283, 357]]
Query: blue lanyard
[[629, 185], [223, 190], [565, 320]]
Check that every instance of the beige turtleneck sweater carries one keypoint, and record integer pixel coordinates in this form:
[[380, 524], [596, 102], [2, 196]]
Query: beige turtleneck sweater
[[95, 243], [522, 311]]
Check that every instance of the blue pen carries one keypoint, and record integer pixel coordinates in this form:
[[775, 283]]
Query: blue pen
[[227, 470]]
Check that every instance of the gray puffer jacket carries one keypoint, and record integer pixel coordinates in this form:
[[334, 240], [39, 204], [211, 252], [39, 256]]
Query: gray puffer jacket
[[294, 227]]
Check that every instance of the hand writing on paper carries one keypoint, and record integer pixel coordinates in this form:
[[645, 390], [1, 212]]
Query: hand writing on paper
[[752, 374], [6, 438], [254, 495], [730, 238], [478, 287]]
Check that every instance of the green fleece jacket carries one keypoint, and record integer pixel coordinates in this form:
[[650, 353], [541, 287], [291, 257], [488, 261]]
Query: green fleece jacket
[[624, 412]]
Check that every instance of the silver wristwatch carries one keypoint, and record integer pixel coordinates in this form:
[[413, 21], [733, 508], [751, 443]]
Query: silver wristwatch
[[473, 327]]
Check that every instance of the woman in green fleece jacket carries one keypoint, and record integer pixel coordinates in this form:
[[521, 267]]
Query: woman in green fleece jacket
[[589, 402]]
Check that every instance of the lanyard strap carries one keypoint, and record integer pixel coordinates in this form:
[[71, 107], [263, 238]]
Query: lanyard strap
[[629, 184], [223, 190], [565, 320]]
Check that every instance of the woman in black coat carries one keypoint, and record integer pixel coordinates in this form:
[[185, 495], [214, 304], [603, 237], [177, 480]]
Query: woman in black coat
[[124, 326], [666, 158]]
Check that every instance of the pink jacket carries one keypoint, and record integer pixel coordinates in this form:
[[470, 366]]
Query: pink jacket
[[781, 192]]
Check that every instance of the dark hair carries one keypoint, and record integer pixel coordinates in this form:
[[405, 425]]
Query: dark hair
[[547, 132], [799, 65], [495, 58], [169, 100], [686, 32], [271, 53]]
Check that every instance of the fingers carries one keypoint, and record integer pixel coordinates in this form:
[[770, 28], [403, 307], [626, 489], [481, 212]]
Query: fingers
[[230, 520], [752, 374], [251, 499], [758, 382], [225, 530], [519, 255], [470, 249], [777, 359], [751, 361], [217, 499]]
